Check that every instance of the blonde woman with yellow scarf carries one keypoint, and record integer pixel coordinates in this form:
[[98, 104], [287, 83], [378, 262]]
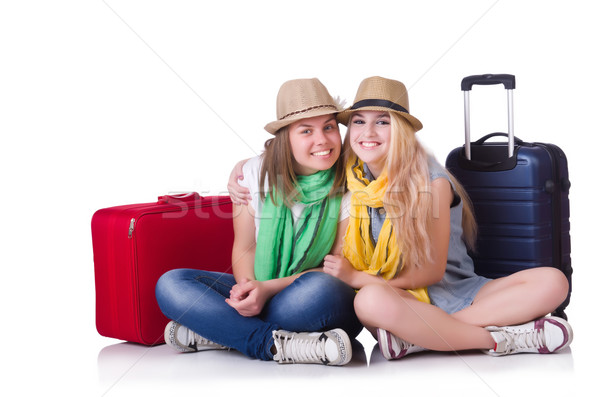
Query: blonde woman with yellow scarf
[[405, 248]]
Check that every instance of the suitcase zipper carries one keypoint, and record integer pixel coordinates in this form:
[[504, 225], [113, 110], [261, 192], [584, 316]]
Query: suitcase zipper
[[131, 227], [132, 222]]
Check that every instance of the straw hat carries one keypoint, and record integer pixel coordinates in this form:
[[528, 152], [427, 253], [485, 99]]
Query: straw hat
[[378, 93], [301, 99]]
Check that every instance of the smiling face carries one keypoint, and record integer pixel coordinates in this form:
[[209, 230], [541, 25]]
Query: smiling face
[[370, 133], [316, 144]]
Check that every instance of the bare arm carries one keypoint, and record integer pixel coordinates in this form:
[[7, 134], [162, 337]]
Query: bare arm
[[244, 243], [439, 231]]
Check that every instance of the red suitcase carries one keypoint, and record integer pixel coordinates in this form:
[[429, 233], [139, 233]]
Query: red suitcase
[[135, 244]]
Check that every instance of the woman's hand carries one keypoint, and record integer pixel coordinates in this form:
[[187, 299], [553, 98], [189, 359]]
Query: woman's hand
[[248, 297], [239, 194], [338, 266]]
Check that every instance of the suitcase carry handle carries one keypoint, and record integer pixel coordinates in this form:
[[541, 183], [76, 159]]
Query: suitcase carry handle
[[488, 79], [174, 198], [481, 140], [467, 83], [489, 164]]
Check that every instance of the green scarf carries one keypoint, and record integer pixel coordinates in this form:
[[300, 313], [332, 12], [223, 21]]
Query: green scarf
[[284, 248]]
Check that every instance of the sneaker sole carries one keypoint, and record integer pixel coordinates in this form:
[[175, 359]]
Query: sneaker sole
[[170, 332], [344, 346], [385, 345]]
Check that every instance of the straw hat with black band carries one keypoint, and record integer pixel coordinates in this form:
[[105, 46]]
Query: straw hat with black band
[[378, 93]]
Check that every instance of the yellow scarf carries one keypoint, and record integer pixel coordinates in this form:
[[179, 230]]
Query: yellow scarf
[[385, 257]]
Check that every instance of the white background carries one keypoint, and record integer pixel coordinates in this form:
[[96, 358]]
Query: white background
[[113, 102]]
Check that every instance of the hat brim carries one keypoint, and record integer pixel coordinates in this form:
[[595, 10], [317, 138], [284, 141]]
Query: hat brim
[[344, 116], [276, 125]]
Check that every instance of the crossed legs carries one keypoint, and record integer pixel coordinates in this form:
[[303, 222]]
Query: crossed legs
[[514, 299]]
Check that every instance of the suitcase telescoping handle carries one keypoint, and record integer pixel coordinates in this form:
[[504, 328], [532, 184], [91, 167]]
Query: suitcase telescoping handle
[[508, 80]]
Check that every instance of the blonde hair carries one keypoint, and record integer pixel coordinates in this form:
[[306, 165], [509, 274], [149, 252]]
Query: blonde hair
[[278, 169], [408, 200]]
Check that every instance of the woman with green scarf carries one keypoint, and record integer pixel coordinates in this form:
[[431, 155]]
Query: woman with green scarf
[[277, 305]]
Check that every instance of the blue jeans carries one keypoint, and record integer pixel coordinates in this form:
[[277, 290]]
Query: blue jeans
[[315, 301]]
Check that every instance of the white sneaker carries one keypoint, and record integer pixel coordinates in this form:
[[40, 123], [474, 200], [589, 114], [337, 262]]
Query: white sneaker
[[185, 340], [330, 348], [393, 347], [544, 335]]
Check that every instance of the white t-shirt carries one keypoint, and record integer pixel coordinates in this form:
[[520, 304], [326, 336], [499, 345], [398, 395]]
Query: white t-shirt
[[251, 180]]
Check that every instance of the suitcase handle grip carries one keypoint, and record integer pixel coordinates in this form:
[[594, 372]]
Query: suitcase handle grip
[[177, 198], [481, 140], [508, 80]]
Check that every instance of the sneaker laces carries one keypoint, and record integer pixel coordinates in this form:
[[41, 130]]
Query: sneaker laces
[[194, 340], [524, 339], [302, 349]]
